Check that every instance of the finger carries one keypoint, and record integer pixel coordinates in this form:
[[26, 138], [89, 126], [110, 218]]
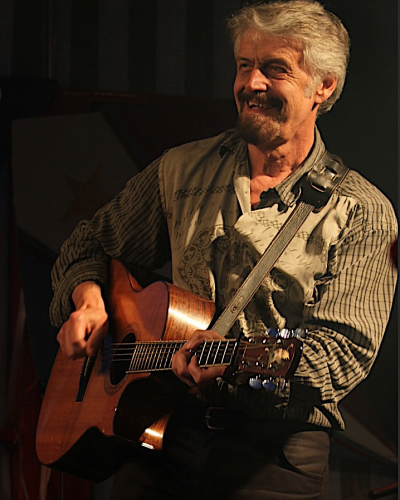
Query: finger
[[204, 376], [180, 366], [95, 338], [72, 350]]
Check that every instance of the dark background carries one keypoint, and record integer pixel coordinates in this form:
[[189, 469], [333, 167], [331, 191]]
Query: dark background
[[170, 63]]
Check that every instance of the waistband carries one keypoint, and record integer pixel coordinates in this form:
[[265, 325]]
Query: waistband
[[217, 418]]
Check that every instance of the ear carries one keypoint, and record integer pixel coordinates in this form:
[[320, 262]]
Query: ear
[[325, 89]]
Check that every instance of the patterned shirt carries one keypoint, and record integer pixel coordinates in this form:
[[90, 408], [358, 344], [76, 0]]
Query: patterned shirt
[[335, 278]]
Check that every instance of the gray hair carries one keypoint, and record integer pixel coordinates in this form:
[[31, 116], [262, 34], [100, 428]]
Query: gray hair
[[324, 39]]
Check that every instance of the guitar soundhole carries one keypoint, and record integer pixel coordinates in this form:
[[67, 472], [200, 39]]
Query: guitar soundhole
[[122, 357]]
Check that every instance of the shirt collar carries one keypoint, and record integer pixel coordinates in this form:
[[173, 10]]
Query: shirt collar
[[287, 190], [233, 143]]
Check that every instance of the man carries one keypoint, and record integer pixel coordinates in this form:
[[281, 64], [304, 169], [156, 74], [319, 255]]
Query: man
[[213, 207]]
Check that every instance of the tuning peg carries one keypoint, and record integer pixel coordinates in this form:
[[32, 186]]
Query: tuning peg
[[255, 383], [269, 385], [300, 333], [285, 333], [271, 332]]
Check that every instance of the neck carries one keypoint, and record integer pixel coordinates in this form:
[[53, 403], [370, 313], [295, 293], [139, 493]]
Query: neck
[[268, 168], [274, 161]]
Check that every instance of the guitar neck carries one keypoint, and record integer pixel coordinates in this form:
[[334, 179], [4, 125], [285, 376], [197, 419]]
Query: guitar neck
[[157, 356]]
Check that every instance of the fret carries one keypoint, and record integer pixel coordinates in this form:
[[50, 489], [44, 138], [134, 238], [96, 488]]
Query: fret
[[209, 352], [217, 357], [217, 347], [142, 357], [139, 357], [157, 356], [216, 353], [167, 356], [178, 345], [221, 359], [200, 357], [167, 351], [151, 356], [148, 356], [133, 358], [136, 357], [227, 344], [213, 352]]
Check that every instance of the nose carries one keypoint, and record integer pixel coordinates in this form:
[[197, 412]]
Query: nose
[[257, 81]]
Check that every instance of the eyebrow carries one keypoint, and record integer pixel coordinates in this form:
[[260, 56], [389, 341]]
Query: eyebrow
[[273, 60]]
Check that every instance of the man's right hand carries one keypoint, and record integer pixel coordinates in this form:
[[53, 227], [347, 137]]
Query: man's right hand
[[85, 329]]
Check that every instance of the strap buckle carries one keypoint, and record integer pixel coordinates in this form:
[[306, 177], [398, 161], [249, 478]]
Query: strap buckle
[[319, 184]]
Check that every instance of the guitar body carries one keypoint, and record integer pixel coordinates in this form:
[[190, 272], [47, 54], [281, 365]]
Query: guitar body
[[91, 418]]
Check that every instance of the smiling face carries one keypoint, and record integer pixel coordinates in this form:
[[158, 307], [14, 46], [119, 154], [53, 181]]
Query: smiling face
[[274, 96]]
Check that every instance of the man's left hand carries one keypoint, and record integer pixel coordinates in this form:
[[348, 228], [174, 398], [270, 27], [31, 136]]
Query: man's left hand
[[185, 365]]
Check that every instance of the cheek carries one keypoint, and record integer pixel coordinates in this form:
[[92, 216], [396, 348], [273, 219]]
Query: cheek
[[237, 88], [237, 85], [293, 103]]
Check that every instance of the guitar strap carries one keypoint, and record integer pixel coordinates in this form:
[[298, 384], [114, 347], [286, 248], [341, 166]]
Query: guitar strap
[[316, 189]]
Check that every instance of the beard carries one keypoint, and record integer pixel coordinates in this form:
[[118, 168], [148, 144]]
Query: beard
[[260, 129]]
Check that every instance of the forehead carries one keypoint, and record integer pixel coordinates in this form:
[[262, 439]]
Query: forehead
[[259, 46]]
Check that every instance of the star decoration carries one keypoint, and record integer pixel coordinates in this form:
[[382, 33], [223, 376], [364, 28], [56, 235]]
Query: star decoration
[[88, 196]]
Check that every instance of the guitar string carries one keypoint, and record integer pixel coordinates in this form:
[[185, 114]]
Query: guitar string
[[131, 348], [136, 349], [142, 362], [138, 355], [139, 351]]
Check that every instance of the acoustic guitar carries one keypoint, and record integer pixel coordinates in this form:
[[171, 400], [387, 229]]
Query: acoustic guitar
[[98, 411]]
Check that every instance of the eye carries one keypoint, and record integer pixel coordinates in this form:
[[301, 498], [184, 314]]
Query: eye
[[274, 70], [243, 66]]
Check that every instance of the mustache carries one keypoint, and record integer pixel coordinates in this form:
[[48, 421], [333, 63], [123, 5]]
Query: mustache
[[261, 97]]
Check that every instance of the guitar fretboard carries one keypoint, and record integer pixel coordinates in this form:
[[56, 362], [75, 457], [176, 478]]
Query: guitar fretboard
[[157, 356]]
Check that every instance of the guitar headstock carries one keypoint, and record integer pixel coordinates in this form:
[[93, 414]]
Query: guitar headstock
[[261, 356], [260, 360]]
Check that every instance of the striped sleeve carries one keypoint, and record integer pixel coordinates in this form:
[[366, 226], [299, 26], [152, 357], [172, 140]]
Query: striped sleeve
[[350, 311], [131, 228]]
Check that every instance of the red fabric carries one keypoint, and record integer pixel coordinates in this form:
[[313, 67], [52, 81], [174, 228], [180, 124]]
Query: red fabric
[[74, 488], [25, 466], [23, 407]]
